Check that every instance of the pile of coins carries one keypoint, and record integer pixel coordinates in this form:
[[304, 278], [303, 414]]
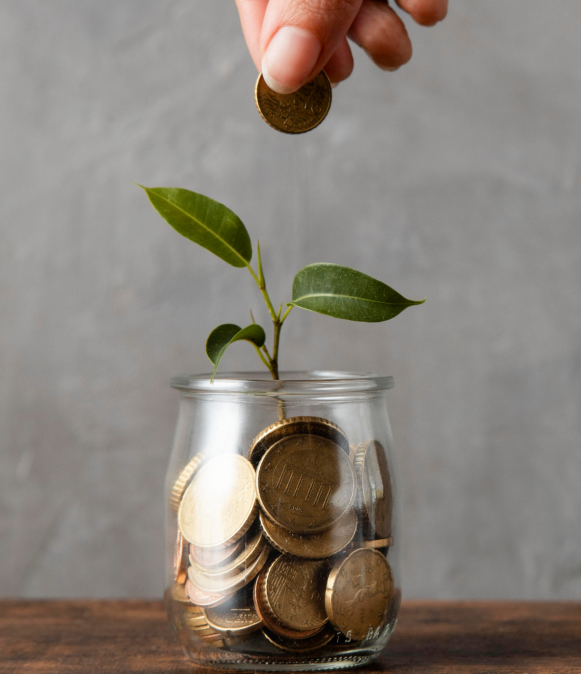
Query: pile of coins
[[288, 544]]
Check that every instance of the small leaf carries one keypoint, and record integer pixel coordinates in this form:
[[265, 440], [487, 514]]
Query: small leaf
[[345, 293], [203, 221], [221, 337]]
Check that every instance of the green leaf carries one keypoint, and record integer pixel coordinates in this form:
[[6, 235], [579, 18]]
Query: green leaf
[[203, 221], [221, 337], [345, 293]]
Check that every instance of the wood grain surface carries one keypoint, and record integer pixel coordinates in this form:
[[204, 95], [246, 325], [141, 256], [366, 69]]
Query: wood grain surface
[[74, 637]]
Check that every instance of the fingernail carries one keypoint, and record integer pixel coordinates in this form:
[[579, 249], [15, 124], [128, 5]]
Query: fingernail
[[334, 85], [290, 58], [389, 69]]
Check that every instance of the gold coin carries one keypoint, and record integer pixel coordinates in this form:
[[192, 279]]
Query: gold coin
[[300, 645], [374, 486], [358, 594], [314, 546], [202, 598], [211, 557], [294, 590], [379, 544], [298, 112], [230, 585], [219, 505], [180, 560], [305, 483], [196, 621], [269, 619], [182, 482], [253, 546], [295, 426], [235, 618]]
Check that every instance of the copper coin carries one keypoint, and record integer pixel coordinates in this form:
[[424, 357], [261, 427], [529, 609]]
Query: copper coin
[[252, 546], [202, 598], [294, 590], [211, 557], [298, 112], [374, 487], [378, 544], [231, 585], [235, 618], [295, 426], [359, 592], [313, 546], [219, 505], [305, 483], [269, 619], [182, 482], [178, 593], [300, 645]]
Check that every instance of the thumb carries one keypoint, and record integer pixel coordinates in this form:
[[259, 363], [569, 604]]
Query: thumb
[[299, 36]]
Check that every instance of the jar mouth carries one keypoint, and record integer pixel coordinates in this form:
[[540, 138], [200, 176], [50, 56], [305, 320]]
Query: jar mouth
[[316, 381]]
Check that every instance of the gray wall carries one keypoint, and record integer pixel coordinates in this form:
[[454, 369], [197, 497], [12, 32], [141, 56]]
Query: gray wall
[[457, 177]]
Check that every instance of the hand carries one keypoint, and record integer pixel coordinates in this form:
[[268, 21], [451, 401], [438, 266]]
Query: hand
[[292, 40]]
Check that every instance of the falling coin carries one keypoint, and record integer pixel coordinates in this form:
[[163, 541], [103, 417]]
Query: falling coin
[[314, 546], [219, 505], [305, 483], [359, 592], [298, 112]]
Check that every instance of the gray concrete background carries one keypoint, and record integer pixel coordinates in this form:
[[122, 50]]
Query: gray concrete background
[[457, 177]]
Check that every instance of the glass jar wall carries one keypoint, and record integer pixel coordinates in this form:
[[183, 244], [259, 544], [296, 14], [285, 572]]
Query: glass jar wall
[[282, 521]]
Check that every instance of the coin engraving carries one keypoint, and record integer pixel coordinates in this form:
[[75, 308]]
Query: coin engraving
[[298, 112], [294, 590], [313, 546], [219, 505], [359, 591], [305, 483]]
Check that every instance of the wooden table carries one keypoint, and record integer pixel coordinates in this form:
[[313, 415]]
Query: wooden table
[[95, 637]]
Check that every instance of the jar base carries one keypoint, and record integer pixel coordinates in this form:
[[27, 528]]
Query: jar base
[[243, 662]]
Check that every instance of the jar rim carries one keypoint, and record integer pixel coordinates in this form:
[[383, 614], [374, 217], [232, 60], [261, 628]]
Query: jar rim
[[291, 382]]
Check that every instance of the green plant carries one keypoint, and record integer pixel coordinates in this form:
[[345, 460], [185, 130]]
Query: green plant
[[329, 289]]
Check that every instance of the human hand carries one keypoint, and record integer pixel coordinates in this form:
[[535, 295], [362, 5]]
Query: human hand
[[292, 40]]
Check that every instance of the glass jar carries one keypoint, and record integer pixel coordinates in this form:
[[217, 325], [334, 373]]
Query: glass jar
[[282, 521]]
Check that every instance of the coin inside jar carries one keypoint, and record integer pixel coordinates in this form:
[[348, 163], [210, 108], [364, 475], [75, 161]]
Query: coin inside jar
[[374, 484], [182, 482], [313, 546], [298, 112], [359, 591], [202, 598], [294, 590], [236, 617], [180, 560], [269, 619], [295, 426], [300, 645], [252, 546], [211, 557], [219, 505], [232, 584], [305, 483]]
